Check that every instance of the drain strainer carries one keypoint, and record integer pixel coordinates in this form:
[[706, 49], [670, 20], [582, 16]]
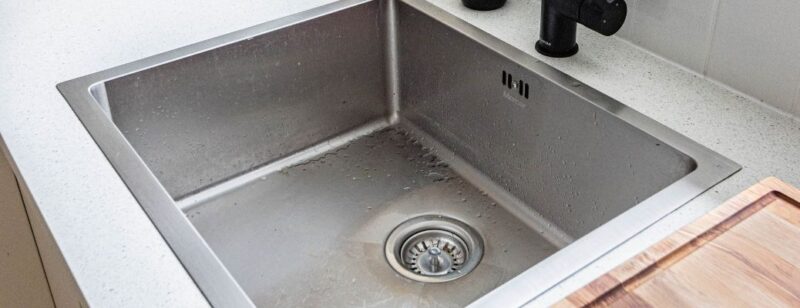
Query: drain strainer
[[434, 249]]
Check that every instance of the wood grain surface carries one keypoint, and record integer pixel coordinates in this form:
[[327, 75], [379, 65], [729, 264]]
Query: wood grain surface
[[745, 253]]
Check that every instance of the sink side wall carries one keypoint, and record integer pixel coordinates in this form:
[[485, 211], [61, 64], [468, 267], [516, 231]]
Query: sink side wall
[[217, 114], [573, 162]]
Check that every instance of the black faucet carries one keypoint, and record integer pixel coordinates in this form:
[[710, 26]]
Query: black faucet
[[560, 18]]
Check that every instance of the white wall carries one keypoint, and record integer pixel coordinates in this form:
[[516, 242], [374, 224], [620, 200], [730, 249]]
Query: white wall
[[752, 46]]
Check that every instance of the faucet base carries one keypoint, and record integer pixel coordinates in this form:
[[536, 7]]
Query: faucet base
[[546, 50], [484, 5]]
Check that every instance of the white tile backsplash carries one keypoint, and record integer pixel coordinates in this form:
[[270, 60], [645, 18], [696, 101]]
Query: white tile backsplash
[[756, 47], [676, 29], [752, 46]]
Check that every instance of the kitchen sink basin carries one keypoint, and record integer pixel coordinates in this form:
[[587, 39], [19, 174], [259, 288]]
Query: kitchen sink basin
[[381, 153]]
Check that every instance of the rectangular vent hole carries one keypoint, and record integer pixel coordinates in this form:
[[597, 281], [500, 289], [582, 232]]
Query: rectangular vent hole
[[527, 90]]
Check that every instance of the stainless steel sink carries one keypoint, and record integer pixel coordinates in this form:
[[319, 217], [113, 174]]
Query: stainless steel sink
[[283, 162]]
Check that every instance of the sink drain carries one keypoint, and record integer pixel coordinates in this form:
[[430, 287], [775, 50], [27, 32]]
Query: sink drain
[[433, 249]]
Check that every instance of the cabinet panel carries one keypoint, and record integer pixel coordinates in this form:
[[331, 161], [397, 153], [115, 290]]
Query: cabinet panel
[[22, 278]]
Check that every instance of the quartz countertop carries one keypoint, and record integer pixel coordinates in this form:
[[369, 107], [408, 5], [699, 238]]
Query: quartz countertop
[[117, 256]]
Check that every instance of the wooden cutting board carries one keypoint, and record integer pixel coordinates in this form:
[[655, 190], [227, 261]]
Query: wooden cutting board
[[745, 253]]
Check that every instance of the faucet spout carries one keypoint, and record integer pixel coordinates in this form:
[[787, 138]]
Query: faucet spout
[[560, 18]]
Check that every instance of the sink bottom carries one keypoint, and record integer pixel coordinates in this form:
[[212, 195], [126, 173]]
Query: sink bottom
[[313, 234]]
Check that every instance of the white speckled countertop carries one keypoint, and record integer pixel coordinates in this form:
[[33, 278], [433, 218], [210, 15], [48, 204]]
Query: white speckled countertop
[[115, 253]]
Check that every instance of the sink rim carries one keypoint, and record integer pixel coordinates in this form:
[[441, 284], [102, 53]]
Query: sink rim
[[219, 286]]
